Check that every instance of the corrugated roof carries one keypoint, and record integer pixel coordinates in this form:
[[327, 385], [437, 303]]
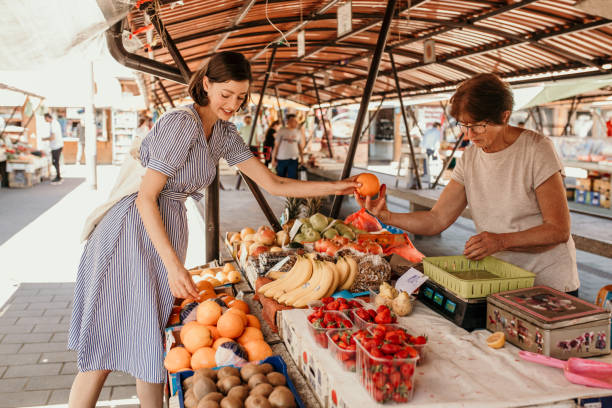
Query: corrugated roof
[[511, 38]]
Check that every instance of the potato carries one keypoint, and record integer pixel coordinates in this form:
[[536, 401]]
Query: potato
[[275, 379], [257, 379], [190, 401], [227, 372], [248, 370], [228, 383], [266, 368], [262, 389], [282, 397], [205, 372], [257, 401], [240, 392], [207, 404], [214, 396], [231, 402], [188, 382], [202, 387]]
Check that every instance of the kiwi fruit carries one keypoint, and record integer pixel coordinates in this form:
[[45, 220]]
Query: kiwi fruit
[[214, 396], [202, 387], [282, 397], [227, 372], [257, 379], [228, 383], [231, 402], [248, 370], [263, 389], [266, 368], [276, 379], [257, 401], [240, 392]]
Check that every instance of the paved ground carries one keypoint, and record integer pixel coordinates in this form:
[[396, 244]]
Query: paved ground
[[40, 249]]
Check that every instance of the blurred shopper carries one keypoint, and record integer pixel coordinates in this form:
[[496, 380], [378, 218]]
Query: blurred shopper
[[287, 149], [78, 131], [512, 180], [56, 144], [431, 143], [269, 141]]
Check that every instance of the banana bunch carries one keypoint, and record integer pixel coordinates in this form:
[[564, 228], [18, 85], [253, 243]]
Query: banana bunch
[[310, 279]]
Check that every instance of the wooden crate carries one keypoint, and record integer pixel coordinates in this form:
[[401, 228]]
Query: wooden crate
[[21, 179]]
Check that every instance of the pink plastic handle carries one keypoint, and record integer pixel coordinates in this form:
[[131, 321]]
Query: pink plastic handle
[[540, 359]]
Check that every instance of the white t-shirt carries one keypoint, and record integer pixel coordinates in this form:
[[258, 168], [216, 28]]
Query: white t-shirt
[[56, 129], [288, 140], [500, 189]]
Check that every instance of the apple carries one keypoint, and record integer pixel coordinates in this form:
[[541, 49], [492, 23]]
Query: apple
[[259, 250], [282, 238], [266, 236]]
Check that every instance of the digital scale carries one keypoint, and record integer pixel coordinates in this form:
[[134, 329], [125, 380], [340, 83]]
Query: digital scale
[[470, 314]]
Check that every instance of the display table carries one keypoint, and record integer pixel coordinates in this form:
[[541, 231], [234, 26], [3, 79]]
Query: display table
[[26, 174], [459, 369]]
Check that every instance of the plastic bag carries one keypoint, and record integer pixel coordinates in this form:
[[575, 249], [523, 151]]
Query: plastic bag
[[363, 221], [407, 251]]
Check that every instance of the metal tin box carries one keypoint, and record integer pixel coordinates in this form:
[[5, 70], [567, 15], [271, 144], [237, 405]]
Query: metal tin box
[[546, 321]]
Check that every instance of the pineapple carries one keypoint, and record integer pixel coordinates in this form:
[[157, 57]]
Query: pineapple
[[313, 206], [292, 210]]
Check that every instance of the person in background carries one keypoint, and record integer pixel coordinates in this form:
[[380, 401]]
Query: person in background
[[144, 126], [431, 140], [245, 132], [269, 140], [512, 180], [609, 126], [287, 149], [56, 144], [78, 131]]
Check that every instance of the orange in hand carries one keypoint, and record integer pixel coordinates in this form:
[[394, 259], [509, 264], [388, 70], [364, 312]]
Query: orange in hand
[[369, 184]]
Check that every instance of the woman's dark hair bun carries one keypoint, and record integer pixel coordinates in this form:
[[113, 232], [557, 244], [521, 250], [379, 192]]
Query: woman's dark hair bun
[[222, 67]]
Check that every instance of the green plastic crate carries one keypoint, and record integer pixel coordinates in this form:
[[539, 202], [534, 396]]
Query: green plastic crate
[[450, 271]]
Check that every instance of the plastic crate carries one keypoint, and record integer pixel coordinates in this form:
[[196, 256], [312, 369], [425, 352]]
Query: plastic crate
[[447, 271], [371, 373], [276, 361], [346, 358]]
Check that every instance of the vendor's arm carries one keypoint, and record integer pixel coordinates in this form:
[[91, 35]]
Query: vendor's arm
[[447, 209], [180, 281], [281, 186], [554, 230]]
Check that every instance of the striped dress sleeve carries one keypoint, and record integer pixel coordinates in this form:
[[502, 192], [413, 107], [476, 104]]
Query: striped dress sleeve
[[166, 147], [235, 150]]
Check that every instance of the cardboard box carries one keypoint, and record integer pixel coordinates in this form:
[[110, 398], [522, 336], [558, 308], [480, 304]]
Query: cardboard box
[[604, 201], [584, 184], [602, 186]]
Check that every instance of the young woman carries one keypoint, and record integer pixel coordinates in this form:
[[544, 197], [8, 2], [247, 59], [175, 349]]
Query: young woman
[[132, 266], [512, 180]]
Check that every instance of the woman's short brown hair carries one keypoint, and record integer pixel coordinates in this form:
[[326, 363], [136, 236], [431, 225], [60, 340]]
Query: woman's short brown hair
[[482, 97], [222, 67]]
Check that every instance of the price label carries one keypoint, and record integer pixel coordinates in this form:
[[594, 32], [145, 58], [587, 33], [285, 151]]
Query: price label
[[410, 281], [295, 229], [331, 224]]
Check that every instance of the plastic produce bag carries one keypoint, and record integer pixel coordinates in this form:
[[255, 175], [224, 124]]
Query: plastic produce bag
[[363, 221], [407, 251]]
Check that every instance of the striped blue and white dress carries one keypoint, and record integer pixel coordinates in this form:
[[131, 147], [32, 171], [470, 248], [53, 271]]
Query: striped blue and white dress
[[122, 299]]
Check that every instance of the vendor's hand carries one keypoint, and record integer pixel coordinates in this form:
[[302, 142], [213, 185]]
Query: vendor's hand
[[181, 284], [346, 186], [274, 163], [377, 207], [482, 245]]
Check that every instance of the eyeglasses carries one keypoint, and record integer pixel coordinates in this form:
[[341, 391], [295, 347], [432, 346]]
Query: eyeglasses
[[478, 128]]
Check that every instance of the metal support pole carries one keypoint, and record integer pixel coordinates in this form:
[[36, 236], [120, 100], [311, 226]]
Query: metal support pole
[[158, 102], [365, 99], [573, 107], [316, 88], [263, 204], [540, 120], [165, 91], [447, 162], [91, 149], [259, 105], [211, 219], [169, 43], [372, 117], [280, 111], [401, 101]]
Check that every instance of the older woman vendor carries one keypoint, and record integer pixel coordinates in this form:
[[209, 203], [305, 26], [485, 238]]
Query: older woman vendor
[[512, 180]]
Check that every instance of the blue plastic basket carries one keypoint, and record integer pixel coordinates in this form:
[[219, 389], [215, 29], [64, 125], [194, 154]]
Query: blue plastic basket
[[277, 362], [392, 229]]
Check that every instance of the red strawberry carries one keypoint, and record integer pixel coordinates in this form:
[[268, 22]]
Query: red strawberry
[[372, 313], [327, 300], [407, 370], [395, 379], [378, 395], [379, 380], [419, 340], [376, 352], [397, 397], [390, 349], [332, 305]]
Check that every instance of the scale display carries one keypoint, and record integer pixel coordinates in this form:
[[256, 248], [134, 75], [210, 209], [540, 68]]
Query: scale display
[[467, 314]]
